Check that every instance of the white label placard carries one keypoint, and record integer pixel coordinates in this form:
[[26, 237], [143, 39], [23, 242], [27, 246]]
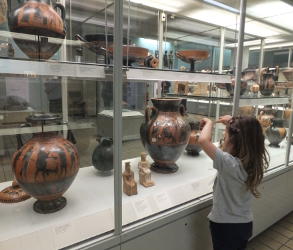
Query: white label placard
[[163, 201], [90, 71], [142, 208]]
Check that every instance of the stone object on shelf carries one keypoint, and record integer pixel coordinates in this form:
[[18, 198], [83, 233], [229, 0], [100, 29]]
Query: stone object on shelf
[[3, 11], [165, 133], [129, 184], [34, 23], [276, 132], [288, 73], [201, 88], [45, 166], [145, 174], [102, 157], [193, 148]]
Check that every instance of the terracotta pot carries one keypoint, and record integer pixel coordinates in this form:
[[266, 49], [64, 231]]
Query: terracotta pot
[[265, 116], [45, 166], [38, 18], [165, 133], [97, 42], [246, 110], [193, 147], [275, 133], [267, 80], [192, 56], [102, 157], [151, 62], [287, 113], [3, 11]]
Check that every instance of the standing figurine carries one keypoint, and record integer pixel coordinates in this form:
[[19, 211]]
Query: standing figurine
[[129, 184], [166, 59], [145, 173], [171, 58]]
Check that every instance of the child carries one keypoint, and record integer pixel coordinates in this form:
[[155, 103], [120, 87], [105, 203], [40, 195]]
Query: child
[[240, 166]]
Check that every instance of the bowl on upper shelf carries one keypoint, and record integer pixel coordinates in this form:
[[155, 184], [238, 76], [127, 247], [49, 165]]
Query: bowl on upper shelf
[[192, 56], [288, 73]]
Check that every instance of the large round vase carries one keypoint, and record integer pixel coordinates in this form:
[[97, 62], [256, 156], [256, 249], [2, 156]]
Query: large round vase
[[165, 133], [39, 25], [102, 157], [231, 86], [193, 148], [45, 167], [276, 133]]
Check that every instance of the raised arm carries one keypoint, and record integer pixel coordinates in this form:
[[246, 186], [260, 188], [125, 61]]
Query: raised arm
[[205, 138]]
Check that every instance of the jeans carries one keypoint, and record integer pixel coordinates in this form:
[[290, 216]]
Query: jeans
[[230, 236]]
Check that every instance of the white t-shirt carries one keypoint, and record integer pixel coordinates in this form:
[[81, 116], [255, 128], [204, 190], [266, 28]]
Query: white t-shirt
[[232, 200]]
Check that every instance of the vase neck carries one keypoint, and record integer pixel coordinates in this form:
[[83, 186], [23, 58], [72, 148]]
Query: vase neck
[[167, 105], [48, 2]]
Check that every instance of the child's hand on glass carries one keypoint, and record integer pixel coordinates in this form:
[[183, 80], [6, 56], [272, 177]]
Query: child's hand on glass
[[224, 119], [203, 122]]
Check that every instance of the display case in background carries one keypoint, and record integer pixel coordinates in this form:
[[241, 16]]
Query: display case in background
[[169, 56]]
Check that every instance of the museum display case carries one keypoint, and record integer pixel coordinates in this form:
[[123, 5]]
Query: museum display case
[[100, 104]]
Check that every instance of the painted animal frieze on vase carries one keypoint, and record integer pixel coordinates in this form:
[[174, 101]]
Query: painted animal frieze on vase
[[165, 133]]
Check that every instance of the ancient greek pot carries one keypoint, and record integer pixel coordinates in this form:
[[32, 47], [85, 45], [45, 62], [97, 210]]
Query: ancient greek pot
[[193, 147], [267, 80], [192, 57], [276, 133], [102, 157], [151, 62], [230, 87], [165, 133], [39, 23], [45, 166], [264, 118]]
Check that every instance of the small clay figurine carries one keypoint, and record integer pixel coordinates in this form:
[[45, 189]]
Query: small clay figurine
[[165, 60], [145, 172], [129, 184], [171, 58]]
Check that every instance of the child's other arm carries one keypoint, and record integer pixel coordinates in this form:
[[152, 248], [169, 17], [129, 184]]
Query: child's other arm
[[205, 138]]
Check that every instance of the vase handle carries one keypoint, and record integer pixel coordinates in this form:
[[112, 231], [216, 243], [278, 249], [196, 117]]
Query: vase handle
[[182, 109], [61, 7], [148, 113]]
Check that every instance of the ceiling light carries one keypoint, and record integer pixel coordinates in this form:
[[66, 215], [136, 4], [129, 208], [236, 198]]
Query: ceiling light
[[223, 6]]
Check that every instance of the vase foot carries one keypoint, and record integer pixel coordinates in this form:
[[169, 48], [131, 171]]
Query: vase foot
[[47, 207], [193, 153], [13, 195], [274, 146], [164, 169]]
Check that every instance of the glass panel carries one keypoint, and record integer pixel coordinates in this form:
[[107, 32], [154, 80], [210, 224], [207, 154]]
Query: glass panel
[[47, 72], [169, 97], [275, 85]]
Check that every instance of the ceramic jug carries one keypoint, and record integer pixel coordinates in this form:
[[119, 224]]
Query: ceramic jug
[[102, 157], [276, 133]]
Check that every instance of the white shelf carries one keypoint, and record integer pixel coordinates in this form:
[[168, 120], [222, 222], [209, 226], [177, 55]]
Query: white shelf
[[51, 68], [90, 203], [168, 75], [47, 128], [263, 101]]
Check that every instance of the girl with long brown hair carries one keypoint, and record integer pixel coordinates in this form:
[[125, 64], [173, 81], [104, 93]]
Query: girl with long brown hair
[[240, 168]]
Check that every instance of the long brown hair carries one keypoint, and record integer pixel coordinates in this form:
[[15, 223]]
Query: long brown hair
[[246, 142]]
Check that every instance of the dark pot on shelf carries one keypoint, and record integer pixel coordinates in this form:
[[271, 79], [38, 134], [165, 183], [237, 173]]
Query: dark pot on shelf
[[268, 79], [102, 157], [38, 24], [193, 147], [45, 166], [231, 86], [276, 133], [165, 133], [151, 62]]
